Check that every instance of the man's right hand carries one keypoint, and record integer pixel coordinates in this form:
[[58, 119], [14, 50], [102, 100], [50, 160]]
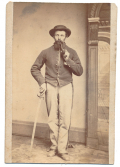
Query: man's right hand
[[42, 90]]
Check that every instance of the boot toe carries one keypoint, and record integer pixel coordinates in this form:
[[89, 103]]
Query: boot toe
[[51, 153], [65, 157]]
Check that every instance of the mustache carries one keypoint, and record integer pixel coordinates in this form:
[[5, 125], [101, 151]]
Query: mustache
[[59, 42]]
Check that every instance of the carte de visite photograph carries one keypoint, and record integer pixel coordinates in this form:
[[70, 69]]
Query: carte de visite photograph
[[60, 82]]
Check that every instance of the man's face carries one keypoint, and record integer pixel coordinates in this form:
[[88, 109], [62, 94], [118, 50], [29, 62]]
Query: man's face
[[60, 36]]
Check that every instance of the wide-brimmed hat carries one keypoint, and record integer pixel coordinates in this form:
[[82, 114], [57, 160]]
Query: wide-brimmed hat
[[60, 28]]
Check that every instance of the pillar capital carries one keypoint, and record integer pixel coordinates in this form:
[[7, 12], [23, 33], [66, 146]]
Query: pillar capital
[[95, 20], [93, 25]]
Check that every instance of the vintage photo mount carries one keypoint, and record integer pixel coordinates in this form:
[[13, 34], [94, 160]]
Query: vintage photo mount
[[9, 71]]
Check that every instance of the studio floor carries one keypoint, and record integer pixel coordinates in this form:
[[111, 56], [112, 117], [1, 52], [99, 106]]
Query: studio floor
[[78, 154]]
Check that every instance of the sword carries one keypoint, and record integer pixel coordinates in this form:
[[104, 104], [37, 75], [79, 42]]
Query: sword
[[36, 117]]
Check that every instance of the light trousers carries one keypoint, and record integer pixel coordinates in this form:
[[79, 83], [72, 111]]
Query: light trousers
[[59, 106]]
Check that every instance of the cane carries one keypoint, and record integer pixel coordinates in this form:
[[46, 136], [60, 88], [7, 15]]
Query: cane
[[35, 122]]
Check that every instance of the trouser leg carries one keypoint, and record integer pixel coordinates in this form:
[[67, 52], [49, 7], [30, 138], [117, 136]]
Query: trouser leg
[[65, 107], [52, 108]]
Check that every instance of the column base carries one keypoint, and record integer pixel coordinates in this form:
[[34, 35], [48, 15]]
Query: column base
[[92, 143]]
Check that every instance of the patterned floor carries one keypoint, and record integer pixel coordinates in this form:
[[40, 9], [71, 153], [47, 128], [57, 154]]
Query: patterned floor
[[79, 154]]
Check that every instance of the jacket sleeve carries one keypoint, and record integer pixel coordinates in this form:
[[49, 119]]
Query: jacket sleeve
[[75, 64], [36, 68]]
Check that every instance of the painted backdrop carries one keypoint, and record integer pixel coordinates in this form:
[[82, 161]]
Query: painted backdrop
[[32, 22]]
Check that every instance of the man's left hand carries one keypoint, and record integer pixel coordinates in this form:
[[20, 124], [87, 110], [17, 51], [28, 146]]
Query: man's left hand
[[66, 55]]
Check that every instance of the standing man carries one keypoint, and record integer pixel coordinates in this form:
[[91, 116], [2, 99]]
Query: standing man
[[61, 61]]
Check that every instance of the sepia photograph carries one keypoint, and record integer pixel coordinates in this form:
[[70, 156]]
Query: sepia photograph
[[60, 82]]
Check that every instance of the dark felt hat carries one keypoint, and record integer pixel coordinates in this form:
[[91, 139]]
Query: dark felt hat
[[60, 28]]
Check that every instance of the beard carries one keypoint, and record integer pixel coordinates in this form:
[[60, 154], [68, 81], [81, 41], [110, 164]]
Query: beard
[[58, 45]]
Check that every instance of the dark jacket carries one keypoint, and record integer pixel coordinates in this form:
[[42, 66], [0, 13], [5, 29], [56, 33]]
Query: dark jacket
[[56, 71]]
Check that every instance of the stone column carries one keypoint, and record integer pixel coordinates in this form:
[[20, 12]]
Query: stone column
[[92, 92]]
